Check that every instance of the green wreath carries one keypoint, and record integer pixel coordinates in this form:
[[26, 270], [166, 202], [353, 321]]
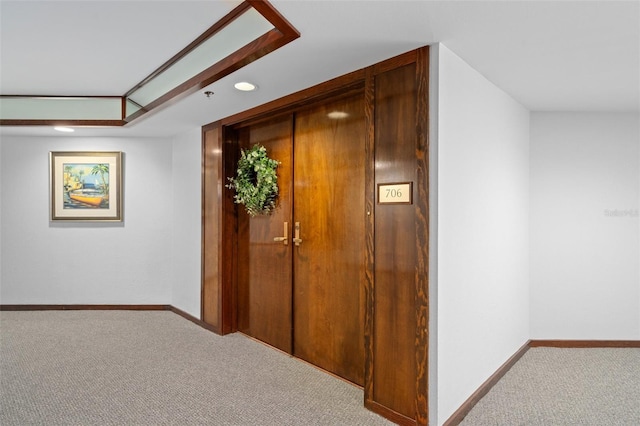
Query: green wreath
[[256, 182]]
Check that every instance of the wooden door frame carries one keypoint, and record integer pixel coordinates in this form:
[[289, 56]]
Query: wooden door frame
[[225, 282], [219, 245]]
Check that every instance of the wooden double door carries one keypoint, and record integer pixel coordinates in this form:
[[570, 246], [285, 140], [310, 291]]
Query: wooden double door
[[301, 269]]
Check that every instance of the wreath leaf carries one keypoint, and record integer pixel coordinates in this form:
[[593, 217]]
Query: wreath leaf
[[256, 181]]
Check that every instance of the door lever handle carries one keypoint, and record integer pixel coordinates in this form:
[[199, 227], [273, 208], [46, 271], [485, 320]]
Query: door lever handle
[[296, 238], [285, 238]]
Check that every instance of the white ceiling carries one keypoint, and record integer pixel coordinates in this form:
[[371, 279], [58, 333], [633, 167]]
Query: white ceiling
[[559, 55]]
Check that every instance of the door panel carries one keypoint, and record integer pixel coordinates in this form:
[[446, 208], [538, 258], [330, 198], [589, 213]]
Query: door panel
[[265, 275], [329, 263]]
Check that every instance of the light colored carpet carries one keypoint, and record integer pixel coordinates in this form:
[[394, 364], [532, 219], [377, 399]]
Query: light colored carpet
[[565, 387], [156, 368]]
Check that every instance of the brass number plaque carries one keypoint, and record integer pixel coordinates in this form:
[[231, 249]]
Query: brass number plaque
[[395, 193]]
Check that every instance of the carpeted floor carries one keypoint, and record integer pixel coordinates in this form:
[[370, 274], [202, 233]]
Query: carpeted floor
[[156, 368], [565, 387]]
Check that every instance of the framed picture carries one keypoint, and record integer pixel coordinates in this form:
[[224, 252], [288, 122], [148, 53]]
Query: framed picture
[[86, 186]]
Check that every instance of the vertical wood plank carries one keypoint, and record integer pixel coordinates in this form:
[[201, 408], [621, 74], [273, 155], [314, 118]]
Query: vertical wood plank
[[422, 237], [243, 254], [394, 360], [211, 174], [228, 236], [369, 272]]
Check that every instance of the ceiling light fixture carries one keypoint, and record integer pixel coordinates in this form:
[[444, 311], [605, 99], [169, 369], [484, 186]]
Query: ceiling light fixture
[[64, 129], [245, 86]]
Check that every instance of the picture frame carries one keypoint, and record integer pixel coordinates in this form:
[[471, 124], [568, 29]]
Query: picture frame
[[86, 186]]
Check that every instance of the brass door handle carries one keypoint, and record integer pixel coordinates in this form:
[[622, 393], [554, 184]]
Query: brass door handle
[[285, 238], [296, 238]]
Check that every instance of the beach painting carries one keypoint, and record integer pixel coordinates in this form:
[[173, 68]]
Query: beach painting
[[86, 186]]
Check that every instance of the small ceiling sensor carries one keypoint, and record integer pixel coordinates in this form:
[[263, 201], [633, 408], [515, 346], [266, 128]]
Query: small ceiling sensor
[[208, 93], [245, 86], [64, 129]]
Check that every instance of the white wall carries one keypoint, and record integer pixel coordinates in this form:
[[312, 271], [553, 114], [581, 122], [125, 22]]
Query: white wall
[[47, 262], [434, 100], [1, 217], [187, 222], [585, 258], [153, 257], [483, 240]]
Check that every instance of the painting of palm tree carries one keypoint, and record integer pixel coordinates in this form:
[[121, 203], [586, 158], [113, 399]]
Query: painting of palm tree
[[86, 186], [103, 171]]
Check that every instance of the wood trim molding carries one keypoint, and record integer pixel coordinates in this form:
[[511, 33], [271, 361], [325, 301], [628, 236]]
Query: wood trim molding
[[85, 307], [276, 18], [464, 409], [71, 123], [369, 272], [389, 414], [585, 343], [399, 61], [185, 315], [191, 318], [422, 237]]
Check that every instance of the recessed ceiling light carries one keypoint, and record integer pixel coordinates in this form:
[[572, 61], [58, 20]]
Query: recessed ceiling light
[[64, 129], [245, 86]]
